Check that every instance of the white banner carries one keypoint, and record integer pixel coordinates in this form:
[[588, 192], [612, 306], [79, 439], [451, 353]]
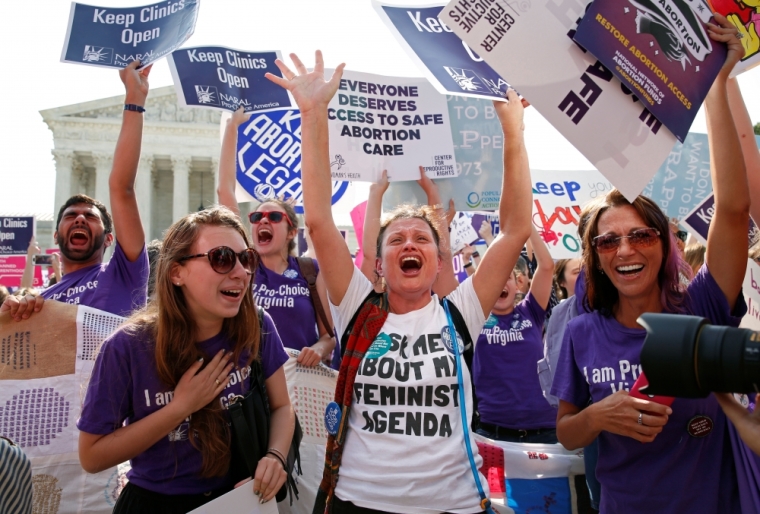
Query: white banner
[[389, 123], [751, 291], [577, 95]]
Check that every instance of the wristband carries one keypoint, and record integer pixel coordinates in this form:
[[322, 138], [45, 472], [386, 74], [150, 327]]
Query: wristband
[[474, 254], [272, 452], [134, 108], [467, 265]]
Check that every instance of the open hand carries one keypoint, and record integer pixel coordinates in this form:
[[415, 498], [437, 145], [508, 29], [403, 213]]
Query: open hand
[[309, 88], [199, 387]]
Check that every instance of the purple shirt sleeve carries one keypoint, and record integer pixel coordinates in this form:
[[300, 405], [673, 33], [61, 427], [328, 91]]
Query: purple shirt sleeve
[[569, 383], [273, 354], [537, 313], [706, 299], [107, 402]]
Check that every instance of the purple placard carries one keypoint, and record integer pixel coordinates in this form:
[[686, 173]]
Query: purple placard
[[660, 50], [700, 218]]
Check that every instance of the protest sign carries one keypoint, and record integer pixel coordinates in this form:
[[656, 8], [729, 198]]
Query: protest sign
[[12, 269], [447, 61], [269, 159], [114, 37], [659, 50], [45, 363], [683, 180], [699, 220], [358, 214], [15, 234], [568, 86], [751, 291], [223, 78], [381, 123], [462, 232], [745, 15]]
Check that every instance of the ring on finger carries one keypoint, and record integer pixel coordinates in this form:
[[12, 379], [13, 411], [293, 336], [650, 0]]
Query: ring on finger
[[739, 35], [217, 385], [641, 418]]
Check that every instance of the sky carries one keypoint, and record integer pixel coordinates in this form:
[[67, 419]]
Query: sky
[[345, 30]]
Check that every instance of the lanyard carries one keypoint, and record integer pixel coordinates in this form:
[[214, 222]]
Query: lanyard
[[485, 503]]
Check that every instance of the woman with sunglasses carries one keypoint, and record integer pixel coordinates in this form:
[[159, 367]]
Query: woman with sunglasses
[[390, 461], [161, 385], [654, 457], [279, 285]]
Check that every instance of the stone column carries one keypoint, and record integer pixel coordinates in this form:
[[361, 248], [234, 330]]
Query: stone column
[[103, 163], [215, 174], [181, 195], [144, 190], [64, 166]]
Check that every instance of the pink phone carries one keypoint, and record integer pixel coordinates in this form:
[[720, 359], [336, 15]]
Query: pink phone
[[642, 382]]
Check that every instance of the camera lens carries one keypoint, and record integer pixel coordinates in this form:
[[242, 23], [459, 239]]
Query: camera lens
[[684, 356]]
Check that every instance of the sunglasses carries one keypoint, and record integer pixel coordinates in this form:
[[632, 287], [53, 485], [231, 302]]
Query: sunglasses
[[682, 235], [640, 238], [223, 258], [272, 216]]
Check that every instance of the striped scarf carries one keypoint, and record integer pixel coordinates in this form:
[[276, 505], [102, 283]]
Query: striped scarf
[[369, 321], [15, 479]]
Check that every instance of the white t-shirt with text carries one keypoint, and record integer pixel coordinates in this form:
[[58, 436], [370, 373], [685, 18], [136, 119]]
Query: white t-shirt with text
[[405, 451]]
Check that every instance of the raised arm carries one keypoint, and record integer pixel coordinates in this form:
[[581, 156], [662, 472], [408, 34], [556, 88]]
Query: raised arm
[[372, 227], [514, 207], [541, 285], [312, 94], [446, 281], [225, 189], [751, 154], [27, 279], [727, 239], [126, 157]]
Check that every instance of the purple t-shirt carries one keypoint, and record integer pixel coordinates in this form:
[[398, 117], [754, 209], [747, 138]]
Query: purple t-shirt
[[287, 299], [117, 286], [677, 472], [504, 369], [125, 387]]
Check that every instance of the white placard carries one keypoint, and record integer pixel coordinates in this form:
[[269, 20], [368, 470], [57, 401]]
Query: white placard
[[389, 123], [527, 43], [462, 232], [751, 291], [240, 500]]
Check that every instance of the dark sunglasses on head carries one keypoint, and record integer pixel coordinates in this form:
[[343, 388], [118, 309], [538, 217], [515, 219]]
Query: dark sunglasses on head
[[639, 238], [222, 259], [682, 235], [272, 216]]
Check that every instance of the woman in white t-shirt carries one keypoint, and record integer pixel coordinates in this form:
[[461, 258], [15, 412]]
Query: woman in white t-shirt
[[405, 449]]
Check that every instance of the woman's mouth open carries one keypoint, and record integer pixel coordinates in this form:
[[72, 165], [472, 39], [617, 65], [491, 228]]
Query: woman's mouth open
[[264, 235], [411, 265], [629, 270], [232, 293]]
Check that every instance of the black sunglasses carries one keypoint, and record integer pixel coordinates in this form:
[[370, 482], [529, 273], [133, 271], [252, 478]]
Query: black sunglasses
[[223, 258]]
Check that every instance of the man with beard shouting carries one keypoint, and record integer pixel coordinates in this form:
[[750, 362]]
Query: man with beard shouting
[[84, 229]]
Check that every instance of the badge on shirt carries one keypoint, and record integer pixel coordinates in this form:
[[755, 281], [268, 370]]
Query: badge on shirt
[[446, 338], [699, 426], [290, 273], [332, 418], [379, 346], [491, 321]]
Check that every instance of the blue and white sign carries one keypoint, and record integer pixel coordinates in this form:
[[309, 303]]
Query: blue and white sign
[[114, 37], [699, 220], [217, 77], [15, 234], [269, 159], [447, 61]]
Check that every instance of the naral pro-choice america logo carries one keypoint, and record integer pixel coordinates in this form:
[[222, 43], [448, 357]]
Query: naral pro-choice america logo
[[207, 95], [269, 158], [99, 54]]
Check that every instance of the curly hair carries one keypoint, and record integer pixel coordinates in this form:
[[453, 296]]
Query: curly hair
[[407, 212]]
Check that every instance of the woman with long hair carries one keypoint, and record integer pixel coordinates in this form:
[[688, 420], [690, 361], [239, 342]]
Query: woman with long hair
[[280, 286], [566, 272], [405, 449], [162, 383], [653, 457]]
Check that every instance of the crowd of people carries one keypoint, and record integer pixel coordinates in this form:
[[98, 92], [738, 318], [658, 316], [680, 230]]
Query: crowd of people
[[525, 350]]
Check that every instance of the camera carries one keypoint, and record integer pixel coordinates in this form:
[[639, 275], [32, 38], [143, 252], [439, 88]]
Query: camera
[[42, 259], [686, 357]]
